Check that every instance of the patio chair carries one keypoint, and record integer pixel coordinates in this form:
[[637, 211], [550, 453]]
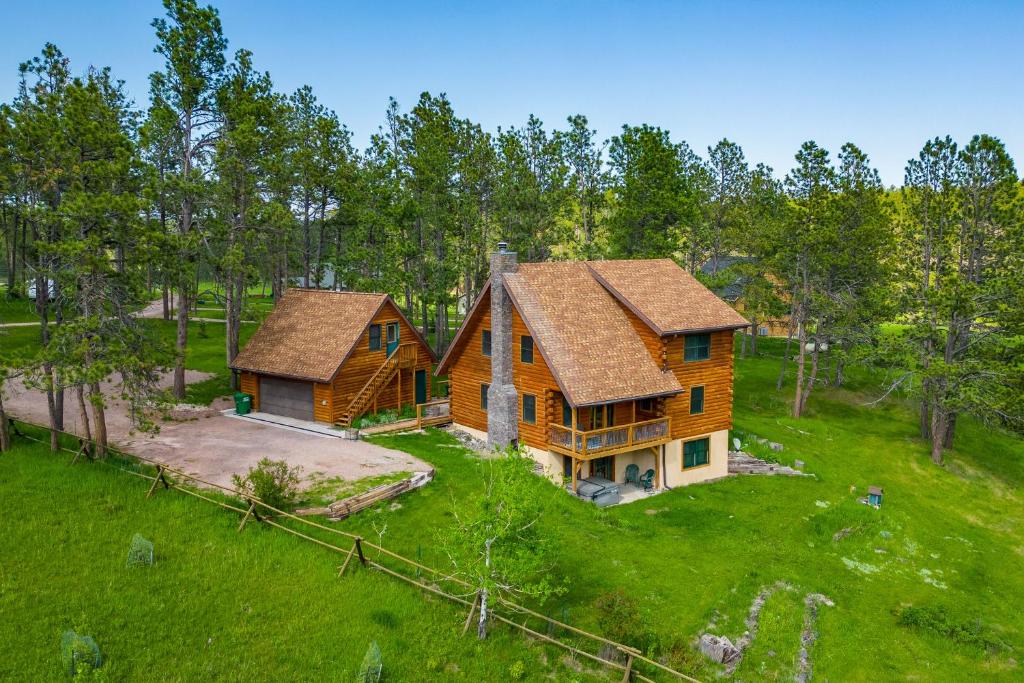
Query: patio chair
[[632, 474], [647, 480]]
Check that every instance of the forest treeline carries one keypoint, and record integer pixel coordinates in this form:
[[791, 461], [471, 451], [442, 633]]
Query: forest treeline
[[109, 203]]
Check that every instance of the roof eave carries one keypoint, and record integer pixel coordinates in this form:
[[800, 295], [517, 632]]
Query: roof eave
[[702, 330]]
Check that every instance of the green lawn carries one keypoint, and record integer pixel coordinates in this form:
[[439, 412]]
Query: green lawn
[[16, 310], [217, 605], [947, 542], [948, 538]]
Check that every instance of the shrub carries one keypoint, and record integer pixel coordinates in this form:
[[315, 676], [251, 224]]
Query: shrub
[[272, 481], [938, 620], [621, 619]]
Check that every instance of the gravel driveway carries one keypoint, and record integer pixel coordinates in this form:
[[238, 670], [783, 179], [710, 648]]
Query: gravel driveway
[[213, 446]]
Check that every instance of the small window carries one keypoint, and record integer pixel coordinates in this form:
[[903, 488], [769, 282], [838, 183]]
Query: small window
[[529, 409], [762, 331], [647, 405], [392, 330], [375, 337], [526, 349], [696, 400], [483, 396], [485, 343], [695, 453], [698, 347]]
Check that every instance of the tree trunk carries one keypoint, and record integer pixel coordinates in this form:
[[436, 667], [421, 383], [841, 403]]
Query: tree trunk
[[481, 628], [947, 441], [812, 379], [798, 401], [743, 344], [5, 430], [939, 424], [80, 393], [99, 419], [181, 341], [785, 354]]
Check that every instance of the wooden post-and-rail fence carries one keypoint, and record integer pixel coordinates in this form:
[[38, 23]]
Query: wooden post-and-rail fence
[[256, 510]]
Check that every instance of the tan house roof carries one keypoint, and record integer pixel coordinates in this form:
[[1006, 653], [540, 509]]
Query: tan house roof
[[309, 334], [665, 296], [588, 342]]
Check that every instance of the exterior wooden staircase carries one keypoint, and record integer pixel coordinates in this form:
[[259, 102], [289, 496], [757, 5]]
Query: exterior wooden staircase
[[401, 358]]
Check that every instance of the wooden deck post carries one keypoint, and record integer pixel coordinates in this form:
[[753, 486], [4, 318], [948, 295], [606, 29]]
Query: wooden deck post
[[575, 485], [657, 468]]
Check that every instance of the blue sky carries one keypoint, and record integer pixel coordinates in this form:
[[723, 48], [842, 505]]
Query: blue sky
[[885, 75]]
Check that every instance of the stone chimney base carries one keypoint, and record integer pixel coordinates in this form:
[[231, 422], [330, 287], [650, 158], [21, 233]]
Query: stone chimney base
[[502, 415]]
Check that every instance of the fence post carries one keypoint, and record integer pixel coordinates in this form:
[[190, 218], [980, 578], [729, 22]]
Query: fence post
[[250, 512], [83, 447], [159, 479], [359, 549], [472, 609]]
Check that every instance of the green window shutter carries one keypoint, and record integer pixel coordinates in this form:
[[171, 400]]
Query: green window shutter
[[529, 409], [485, 343], [483, 396], [696, 400], [698, 347], [526, 349], [695, 453]]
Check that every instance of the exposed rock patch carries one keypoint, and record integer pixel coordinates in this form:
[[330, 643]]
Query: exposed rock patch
[[744, 463]]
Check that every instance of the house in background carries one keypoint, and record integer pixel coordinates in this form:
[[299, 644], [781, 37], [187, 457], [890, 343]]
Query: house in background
[[596, 367], [733, 291], [333, 356]]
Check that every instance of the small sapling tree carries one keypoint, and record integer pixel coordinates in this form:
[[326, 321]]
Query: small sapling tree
[[498, 544]]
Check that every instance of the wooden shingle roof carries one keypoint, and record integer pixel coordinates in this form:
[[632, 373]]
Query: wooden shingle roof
[[665, 296], [309, 334], [588, 342]]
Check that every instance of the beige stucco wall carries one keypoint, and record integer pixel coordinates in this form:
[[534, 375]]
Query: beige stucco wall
[[672, 473], [718, 460]]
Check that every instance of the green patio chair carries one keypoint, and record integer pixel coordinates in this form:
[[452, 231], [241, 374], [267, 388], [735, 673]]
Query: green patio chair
[[632, 474], [647, 480]]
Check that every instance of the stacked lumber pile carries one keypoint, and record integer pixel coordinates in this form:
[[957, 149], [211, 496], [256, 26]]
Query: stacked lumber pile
[[340, 509]]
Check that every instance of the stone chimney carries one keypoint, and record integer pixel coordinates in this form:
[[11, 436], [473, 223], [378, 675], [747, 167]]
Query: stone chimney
[[502, 399]]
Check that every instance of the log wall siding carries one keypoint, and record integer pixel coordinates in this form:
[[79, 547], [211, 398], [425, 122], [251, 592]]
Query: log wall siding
[[361, 365], [714, 374], [471, 368], [323, 402], [250, 384]]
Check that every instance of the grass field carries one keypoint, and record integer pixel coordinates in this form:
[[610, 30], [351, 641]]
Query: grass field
[[216, 605], [929, 587]]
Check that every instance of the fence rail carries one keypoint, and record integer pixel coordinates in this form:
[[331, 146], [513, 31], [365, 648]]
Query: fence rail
[[438, 411], [252, 508]]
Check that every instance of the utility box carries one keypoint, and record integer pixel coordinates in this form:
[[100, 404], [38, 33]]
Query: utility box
[[875, 496], [243, 403]]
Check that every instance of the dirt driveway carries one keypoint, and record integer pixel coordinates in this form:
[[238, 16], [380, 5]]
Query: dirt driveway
[[214, 446]]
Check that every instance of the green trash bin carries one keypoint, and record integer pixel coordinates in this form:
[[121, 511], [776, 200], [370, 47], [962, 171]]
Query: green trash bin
[[243, 403]]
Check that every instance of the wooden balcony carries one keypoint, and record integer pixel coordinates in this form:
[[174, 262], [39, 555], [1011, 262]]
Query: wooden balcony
[[597, 443]]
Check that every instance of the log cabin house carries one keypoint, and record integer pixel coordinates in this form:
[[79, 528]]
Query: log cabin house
[[596, 366], [332, 356]]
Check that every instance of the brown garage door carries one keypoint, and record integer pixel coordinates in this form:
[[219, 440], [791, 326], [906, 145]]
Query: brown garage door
[[287, 397]]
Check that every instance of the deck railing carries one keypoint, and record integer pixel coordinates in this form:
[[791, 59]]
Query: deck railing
[[438, 411], [596, 442]]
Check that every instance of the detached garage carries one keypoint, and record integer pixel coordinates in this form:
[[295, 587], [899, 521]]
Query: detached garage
[[332, 356], [288, 397]]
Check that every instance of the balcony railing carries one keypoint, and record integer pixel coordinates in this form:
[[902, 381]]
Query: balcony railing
[[598, 442]]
